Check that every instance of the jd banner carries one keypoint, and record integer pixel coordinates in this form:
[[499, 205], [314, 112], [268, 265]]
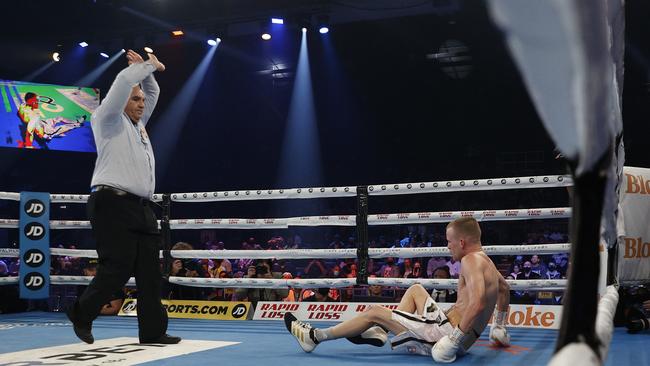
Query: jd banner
[[34, 245], [195, 309]]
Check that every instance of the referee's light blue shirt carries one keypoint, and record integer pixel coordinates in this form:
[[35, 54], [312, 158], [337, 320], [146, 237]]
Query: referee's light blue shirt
[[124, 155]]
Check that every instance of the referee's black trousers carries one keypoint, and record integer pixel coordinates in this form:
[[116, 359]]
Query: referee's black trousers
[[128, 244]]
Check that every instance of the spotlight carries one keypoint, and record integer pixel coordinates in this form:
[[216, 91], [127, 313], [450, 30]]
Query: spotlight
[[218, 40], [212, 42], [56, 57], [304, 30], [148, 50], [83, 44], [266, 36], [177, 33], [277, 20], [324, 30], [103, 55]]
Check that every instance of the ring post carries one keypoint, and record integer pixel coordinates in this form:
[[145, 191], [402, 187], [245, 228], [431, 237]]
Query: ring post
[[165, 232], [362, 234]]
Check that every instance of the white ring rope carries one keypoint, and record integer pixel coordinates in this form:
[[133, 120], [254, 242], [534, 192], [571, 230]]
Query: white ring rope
[[472, 185], [10, 196], [515, 285], [322, 253], [340, 220], [605, 319], [540, 181], [548, 285]]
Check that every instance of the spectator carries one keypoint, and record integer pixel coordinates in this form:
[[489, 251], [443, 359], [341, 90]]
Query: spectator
[[320, 295], [563, 266], [553, 273], [353, 270], [285, 266], [242, 264], [406, 267], [434, 263], [454, 268], [4, 270], [251, 243], [315, 269], [375, 293], [345, 265], [218, 266], [275, 243], [297, 242], [416, 272], [527, 273], [375, 290], [450, 295], [370, 265], [222, 294], [292, 292], [336, 243], [336, 272], [527, 297], [516, 271], [389, 269], [185, 268], [262, 269], [538, 266]]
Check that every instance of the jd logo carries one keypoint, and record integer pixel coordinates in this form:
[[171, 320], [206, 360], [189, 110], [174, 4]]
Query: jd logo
[[34, 208], [33, 258], [33, 281], [130, 307], [34, 231], [238, 311]]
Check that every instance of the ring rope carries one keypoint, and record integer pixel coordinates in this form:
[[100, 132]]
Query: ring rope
[[541, 181], [322, 253], [339, 220], [516, 285], [605, 319]]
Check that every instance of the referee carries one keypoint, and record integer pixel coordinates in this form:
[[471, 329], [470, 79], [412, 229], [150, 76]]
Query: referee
[[119, 208]]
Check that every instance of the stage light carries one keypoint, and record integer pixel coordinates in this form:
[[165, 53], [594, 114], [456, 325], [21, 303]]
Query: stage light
[[304, 30], [148, 50], [266, 36], [83, 44], [218, 40], [103, 55], [277, 20], [212, 42], [177, 33], [56, 57], [323, 22]]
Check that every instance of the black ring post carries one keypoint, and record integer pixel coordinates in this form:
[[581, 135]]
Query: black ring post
[[165, 233], [581, 297], [362, 235]]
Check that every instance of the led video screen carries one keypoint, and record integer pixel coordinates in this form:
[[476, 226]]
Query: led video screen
[[50, 117]]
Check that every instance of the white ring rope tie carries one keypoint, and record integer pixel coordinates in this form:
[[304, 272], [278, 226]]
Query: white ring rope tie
[[340, 220], [515, 285], [322, 253], [605, 319], [541, 181]]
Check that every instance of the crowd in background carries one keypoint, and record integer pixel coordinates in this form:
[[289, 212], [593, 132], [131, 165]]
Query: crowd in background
[[553, 266]]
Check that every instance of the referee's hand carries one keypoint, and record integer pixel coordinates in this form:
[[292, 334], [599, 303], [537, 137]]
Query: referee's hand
[[154, 61]]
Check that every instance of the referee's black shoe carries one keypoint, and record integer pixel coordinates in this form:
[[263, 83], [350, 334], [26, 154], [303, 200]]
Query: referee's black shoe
[[82, 329]]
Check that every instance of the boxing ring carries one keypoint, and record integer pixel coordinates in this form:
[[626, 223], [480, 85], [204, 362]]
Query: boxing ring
[[265, 342], [47, 338]]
